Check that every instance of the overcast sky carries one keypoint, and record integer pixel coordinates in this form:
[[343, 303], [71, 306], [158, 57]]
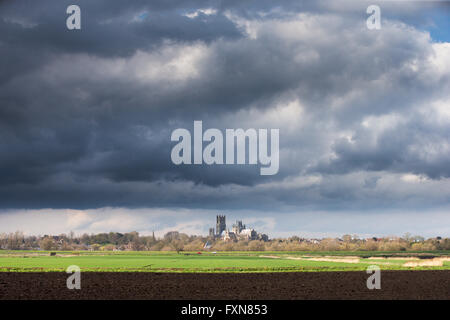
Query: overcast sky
[[86, 115]]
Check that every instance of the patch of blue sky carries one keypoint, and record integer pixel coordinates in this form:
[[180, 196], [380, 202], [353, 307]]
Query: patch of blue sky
[[143, 16], [440, 27]]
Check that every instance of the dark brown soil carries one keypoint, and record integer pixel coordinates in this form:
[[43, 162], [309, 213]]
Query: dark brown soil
[[264, 286]]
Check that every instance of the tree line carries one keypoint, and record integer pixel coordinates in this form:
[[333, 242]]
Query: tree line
[[176, 241]]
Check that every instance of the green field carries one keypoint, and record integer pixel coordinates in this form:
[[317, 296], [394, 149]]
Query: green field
[[33, 261]]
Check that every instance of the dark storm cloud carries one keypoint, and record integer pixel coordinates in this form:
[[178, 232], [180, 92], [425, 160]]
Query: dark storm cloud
[[86, 116], [109, 29]]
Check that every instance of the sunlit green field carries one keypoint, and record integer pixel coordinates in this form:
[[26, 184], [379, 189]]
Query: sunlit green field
[[26, 261]]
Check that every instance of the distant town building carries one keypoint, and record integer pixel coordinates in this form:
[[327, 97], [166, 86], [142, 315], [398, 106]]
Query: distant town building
[[207, 245], [238, 227], [229, 236], [220, 224]]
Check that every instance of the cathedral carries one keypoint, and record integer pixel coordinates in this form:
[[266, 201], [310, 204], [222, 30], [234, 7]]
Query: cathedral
[[238, 232]]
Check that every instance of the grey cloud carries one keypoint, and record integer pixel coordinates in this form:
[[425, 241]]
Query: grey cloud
[[414, 146], [85, 118]]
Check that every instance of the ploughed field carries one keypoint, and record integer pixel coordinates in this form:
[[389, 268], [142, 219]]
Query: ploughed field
[[430, 284], [228, 262], [224, 275]]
